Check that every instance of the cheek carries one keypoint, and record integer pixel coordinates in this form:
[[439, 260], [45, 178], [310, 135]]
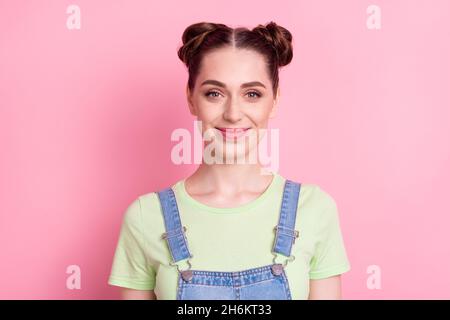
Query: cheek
[[205, 110], [261, 114], [208, 113]]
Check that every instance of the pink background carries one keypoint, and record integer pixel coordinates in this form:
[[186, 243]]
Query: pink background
[[86, 117]]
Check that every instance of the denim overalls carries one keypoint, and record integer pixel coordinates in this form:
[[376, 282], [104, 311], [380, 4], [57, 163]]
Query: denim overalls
[[262, 283]]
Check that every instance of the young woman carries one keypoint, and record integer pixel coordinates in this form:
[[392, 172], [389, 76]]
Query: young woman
[[229, 231]]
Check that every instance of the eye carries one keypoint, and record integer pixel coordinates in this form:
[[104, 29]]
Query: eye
[[212, 93], [254, 94]]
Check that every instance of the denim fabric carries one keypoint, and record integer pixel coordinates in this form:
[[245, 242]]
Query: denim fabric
[[260, 283], [253, 284]]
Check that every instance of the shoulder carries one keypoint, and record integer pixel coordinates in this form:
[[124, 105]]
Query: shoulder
[[315, 196], [140, 208], [150, 212], [149, 201], [324, 197], [142, 218], [326, 216], [316, 206], [146, 207], [132, 214]]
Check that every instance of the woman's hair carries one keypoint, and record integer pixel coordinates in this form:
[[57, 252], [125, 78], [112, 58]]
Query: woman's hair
[[271, 40]]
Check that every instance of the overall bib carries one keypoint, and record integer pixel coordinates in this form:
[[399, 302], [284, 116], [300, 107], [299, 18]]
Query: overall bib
[[261, 283]]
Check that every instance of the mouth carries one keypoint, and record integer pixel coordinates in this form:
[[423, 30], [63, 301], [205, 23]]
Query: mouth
[[232, 133]]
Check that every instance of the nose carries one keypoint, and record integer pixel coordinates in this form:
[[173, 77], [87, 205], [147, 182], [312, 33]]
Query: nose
[[233, 112]]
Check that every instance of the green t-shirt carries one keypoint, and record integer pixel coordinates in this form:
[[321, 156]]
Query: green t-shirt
[[229, 239]]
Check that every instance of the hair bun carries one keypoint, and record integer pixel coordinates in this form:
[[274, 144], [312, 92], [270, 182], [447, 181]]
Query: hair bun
[[281, 40], [193, 38]]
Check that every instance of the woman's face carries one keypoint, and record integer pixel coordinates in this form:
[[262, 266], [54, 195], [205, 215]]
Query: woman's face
[[233, 90]]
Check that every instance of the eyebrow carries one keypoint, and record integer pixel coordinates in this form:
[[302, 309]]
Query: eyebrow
[[244, 85]]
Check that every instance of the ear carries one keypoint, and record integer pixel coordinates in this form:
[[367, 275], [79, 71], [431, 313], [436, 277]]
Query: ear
[[189, 100], [275, 105]]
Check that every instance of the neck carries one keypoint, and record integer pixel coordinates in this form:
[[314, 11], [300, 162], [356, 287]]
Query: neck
[[229, 179]]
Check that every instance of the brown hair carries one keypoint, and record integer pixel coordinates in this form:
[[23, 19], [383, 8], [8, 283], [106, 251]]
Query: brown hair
[[271, 40]]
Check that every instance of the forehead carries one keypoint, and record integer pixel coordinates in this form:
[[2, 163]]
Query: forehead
[[233, 66]]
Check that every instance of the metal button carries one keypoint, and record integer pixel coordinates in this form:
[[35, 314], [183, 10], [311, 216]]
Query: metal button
[[187, 275], [277, 269]]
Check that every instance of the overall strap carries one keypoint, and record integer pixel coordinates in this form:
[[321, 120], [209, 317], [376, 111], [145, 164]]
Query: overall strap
[[285, 230], [174, 234]]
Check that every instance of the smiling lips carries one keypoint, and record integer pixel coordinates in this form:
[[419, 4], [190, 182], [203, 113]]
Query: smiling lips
[[232, 133]]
